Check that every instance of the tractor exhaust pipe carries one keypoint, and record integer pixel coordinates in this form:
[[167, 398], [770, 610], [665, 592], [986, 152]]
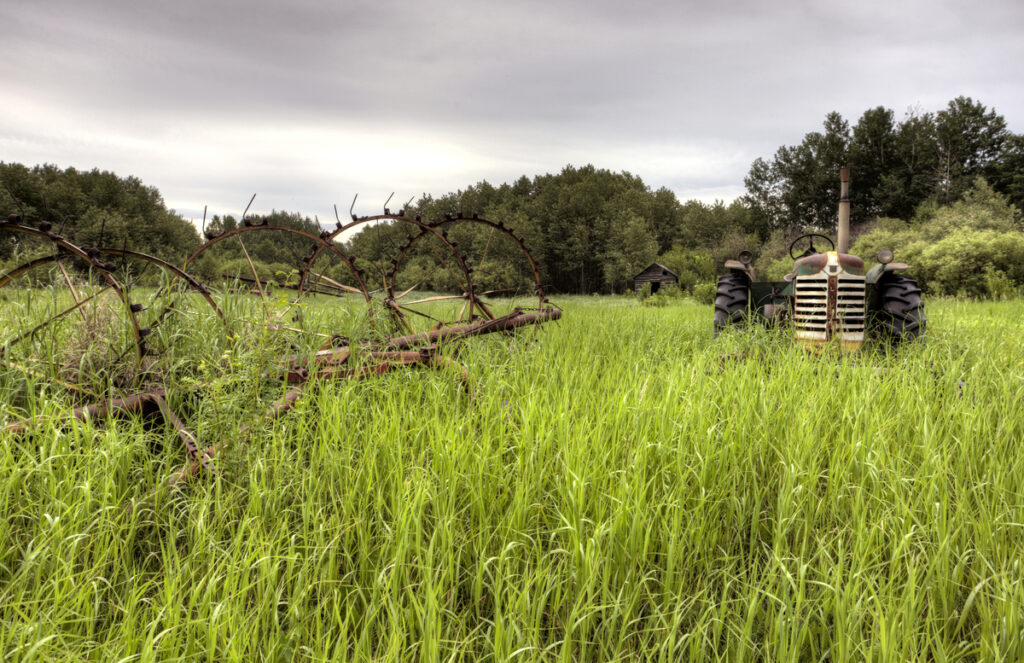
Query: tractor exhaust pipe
[[843, 232]]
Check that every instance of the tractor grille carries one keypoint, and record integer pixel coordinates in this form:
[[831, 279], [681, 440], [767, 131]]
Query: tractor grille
[[829, 305]]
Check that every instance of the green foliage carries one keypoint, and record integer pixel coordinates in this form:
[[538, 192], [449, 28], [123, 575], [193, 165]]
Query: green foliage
[[663, 297], [631, 247], [704, 293], [974, 263], [282, 250], [692, 265], [589, 229], [93, 208], [277, 272], [973, 248], [895, 166], [998, 285], [800, 187]]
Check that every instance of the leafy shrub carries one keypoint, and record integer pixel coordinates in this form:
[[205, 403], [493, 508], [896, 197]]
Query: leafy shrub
[[692, 265], [973, 248], [239, 267], [999, 285], [704, 293], [666, 295], [966, 262]]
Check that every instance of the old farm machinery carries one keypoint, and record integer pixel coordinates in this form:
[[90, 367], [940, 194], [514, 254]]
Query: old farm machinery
[[103, 324], [828, 298]]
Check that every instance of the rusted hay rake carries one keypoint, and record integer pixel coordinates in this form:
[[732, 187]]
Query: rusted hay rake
[[98, 282], [403, 325]]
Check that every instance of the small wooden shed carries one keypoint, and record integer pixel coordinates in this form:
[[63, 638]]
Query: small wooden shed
[[657, 275]]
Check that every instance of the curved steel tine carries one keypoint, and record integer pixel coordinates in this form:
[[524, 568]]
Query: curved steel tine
[[16, 202], [247, 207]]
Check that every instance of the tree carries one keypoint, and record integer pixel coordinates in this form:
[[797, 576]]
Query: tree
[[970, 140], [631, 247], [799, 189], [1008, 171], [894, 167], [93, 207], [872, 159]]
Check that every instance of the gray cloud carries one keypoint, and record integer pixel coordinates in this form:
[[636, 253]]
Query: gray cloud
[[309, 102]]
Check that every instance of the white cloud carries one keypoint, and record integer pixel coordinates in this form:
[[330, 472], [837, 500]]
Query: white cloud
[[308, 103]]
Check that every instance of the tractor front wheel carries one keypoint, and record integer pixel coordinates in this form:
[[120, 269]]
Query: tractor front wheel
[[899, 314], [731, 300]]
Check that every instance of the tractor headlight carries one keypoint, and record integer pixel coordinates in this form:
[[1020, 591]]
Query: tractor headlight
[[885, 256], [746, 257]]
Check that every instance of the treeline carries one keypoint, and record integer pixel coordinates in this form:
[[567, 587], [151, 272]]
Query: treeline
[[99, 208], [896, 166], [93, 208], [957, 172], [591, 230]]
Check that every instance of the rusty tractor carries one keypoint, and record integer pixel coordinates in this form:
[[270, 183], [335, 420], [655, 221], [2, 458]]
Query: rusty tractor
[[828, 299]]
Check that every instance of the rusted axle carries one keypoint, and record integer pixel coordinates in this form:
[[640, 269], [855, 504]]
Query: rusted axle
[[135, 404], [505, 323]]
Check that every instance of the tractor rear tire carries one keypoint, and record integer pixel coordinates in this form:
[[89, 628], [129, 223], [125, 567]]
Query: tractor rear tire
[[731, 300], [900, 312]]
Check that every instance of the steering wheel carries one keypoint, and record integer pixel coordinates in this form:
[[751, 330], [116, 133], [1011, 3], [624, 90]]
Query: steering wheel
[[810, 250]]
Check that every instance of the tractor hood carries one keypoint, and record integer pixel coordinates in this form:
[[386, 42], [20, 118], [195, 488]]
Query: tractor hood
[[815, 263]]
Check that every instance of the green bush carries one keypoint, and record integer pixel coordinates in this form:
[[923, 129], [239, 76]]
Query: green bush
[[665, 296], [704, 293], [999, 285], [973, 248], [693, 266], [240, 268], [971, 263]]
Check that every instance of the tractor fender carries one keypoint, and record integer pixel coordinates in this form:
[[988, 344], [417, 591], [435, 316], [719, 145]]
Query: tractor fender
[[737, 266], [876, 272]]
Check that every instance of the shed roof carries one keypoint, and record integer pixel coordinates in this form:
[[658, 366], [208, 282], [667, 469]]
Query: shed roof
[[656, 266]]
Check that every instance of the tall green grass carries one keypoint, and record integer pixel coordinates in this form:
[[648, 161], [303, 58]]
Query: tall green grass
[[618, 486]]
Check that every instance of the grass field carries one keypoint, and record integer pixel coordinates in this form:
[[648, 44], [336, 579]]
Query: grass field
[[618, 486]]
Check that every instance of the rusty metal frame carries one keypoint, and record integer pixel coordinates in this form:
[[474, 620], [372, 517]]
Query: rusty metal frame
[[89, 257], [390, 301], [320, 243], [498, 226], [415, 348]]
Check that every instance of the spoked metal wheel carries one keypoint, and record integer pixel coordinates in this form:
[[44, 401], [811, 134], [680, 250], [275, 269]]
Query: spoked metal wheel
[[321, 297], [503, 268], [67, 317], [410, 309]]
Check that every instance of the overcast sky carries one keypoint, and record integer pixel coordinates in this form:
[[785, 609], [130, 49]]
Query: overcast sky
[[308, 103]]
